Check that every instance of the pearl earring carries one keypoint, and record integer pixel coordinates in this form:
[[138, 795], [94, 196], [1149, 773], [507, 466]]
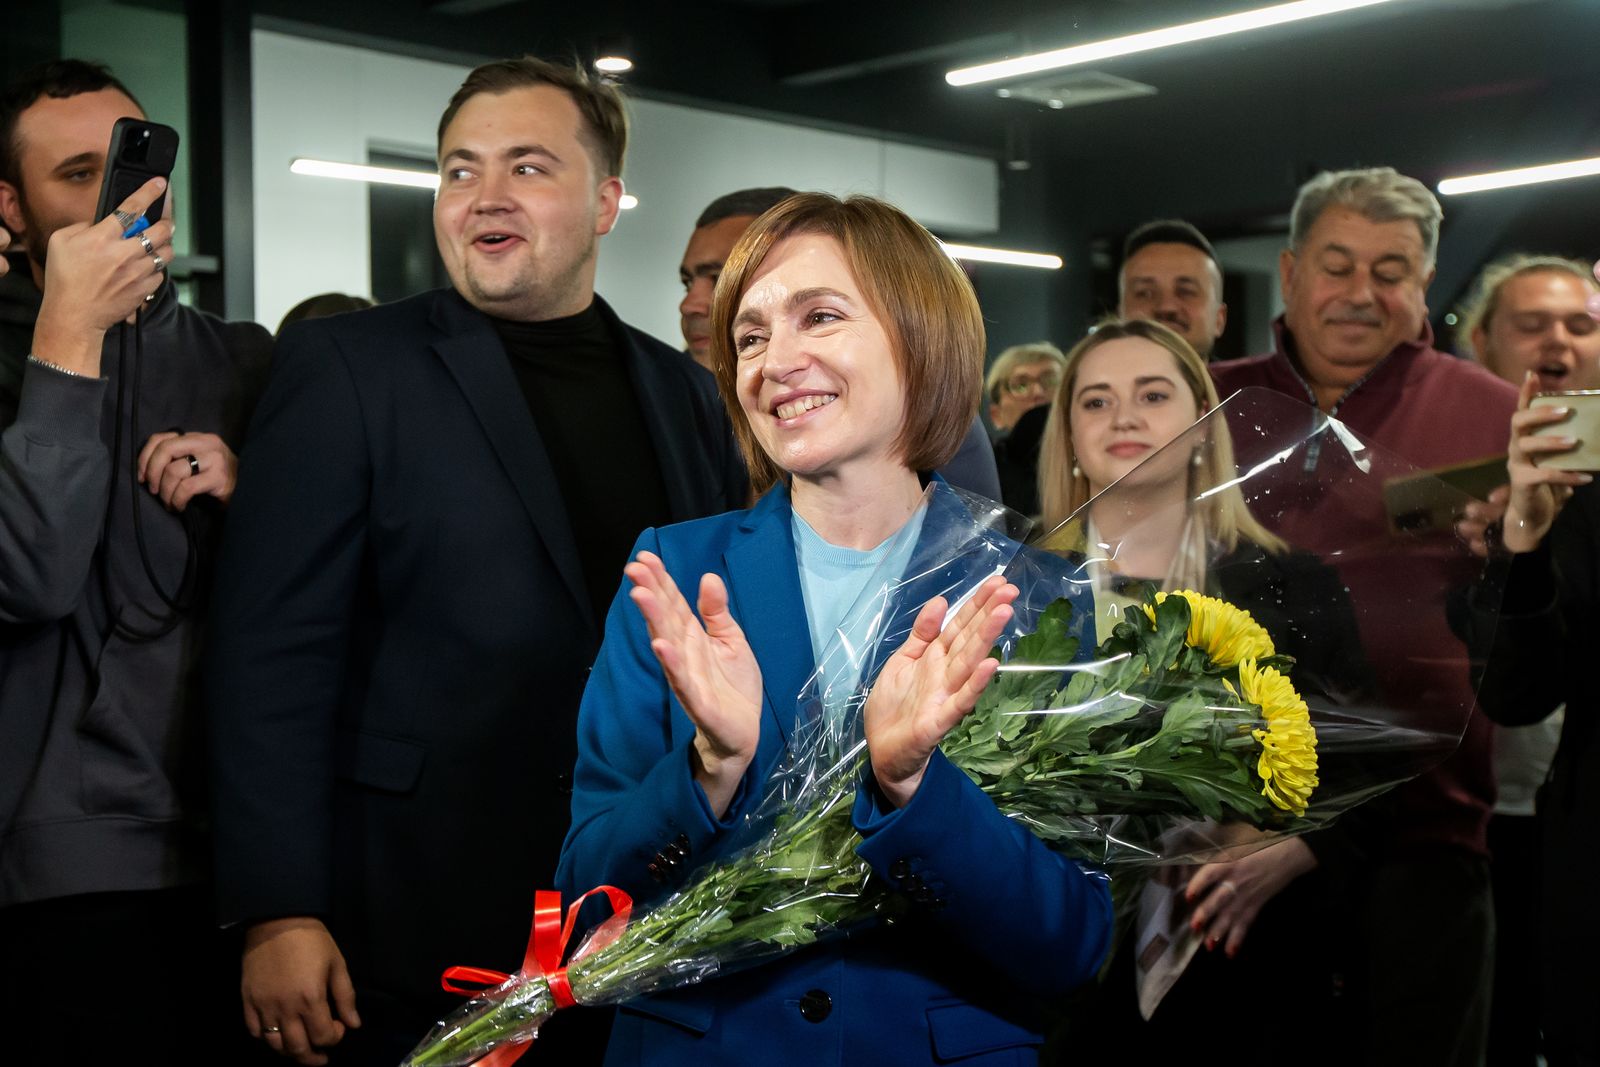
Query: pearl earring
[[1077, 472]]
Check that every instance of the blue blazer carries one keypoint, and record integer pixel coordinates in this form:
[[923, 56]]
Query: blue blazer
[[999, 922]]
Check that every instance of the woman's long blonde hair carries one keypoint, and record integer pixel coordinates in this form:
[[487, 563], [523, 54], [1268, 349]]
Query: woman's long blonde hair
[[1063, 488]]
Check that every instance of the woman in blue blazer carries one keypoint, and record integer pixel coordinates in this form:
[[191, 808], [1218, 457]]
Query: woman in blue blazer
[[848, 348]]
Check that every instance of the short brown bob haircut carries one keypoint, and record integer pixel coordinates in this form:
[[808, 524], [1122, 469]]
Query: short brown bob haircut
[[605, 120], [919, 295]]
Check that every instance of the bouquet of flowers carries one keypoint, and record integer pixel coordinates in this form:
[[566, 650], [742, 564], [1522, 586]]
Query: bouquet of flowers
[[1178, 736]]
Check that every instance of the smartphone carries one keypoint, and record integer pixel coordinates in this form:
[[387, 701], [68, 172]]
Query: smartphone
[[1434, 499], [139, 151], [1583, 423]]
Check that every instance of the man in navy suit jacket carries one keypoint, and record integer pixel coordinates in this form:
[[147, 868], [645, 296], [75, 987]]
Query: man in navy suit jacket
[[427, 515]]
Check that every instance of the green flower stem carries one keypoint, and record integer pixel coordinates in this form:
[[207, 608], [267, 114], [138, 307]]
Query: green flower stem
[[1053, 773]]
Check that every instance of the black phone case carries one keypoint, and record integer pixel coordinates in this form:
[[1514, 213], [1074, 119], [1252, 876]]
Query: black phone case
[[139, 151]]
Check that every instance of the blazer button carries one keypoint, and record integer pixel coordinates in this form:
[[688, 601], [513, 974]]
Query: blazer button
[[816, 1006], [900, 868]]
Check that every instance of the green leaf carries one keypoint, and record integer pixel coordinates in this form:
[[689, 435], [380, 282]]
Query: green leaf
[[1165, 640], [1049, 643]]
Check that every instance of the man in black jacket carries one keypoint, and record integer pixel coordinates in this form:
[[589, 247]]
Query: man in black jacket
[[108, 514], [438, 499]]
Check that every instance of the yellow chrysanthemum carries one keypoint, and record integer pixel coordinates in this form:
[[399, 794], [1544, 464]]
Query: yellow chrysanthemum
[[1225, 633], [1288, 763]]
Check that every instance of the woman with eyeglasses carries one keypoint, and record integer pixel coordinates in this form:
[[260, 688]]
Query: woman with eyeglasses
[[848, 348], [1020, 385], [1022, 378]]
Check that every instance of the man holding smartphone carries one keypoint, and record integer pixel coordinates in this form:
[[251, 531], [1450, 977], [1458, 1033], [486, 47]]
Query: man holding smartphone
[[119, 413]]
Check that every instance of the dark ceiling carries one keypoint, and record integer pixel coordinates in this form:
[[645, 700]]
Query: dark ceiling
[[1432, 87], [1436, 86], [1233, 127]]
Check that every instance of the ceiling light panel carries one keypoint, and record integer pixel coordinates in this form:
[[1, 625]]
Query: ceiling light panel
[[1204, 30], [1507, 179]]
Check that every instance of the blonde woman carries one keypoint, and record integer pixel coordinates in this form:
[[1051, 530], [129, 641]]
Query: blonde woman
[[1129, 391]]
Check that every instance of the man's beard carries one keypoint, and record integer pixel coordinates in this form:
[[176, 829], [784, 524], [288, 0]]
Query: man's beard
[[526, 295], [35, 236]]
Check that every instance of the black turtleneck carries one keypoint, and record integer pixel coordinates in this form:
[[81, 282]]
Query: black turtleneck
[[574, 376]]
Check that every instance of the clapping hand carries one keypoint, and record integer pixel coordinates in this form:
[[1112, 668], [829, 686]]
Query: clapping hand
[[711, 670], [931, 684]]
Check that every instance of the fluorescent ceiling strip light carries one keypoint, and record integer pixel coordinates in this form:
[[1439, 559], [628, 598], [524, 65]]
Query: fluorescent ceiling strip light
[[362, 172], [1203, 30], [417, 179], [978, 254], [1506, 179]]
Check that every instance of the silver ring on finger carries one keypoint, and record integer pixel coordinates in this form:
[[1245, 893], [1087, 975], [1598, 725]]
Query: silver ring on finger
[[1229, 886], [160, 263], [149, 249], [265, 1030], [194, 464]]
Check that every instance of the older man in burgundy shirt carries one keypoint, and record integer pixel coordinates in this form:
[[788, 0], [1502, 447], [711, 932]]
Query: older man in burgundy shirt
[[1354, 340]]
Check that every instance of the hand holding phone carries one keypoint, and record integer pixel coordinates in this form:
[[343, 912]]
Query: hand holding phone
[[1538, 488], [94, 278], [139, 151], [1582, 423]]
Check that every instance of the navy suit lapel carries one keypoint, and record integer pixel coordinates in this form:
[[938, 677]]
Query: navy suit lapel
[[667, 406], [475, 357], [764, 590]]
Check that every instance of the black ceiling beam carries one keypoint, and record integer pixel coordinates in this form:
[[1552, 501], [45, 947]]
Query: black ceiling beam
[[220, 154], [966, 48], [464, 7]]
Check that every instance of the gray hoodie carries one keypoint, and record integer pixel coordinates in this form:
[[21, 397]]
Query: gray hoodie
[[100, 758]]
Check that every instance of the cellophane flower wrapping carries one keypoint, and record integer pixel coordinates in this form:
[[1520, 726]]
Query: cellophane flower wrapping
[[1270, 678]]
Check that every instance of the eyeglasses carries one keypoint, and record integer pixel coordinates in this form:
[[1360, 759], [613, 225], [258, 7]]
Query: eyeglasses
[[1022, 384]]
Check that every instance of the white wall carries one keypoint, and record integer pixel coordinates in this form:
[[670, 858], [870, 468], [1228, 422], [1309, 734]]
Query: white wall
[[327, 101], [334, 102]]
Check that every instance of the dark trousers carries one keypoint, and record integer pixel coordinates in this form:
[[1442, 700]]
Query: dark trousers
[[1391, 964], [119, 978], [1291, 943], [1515, 870], [1427, 977]]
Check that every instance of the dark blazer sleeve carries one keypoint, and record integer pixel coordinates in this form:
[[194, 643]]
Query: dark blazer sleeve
[[286, 584], [734, 489], [985, 883], [1518, 630], [633, 790]]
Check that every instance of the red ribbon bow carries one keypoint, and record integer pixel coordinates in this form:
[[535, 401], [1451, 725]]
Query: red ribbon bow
[[547, 944]]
